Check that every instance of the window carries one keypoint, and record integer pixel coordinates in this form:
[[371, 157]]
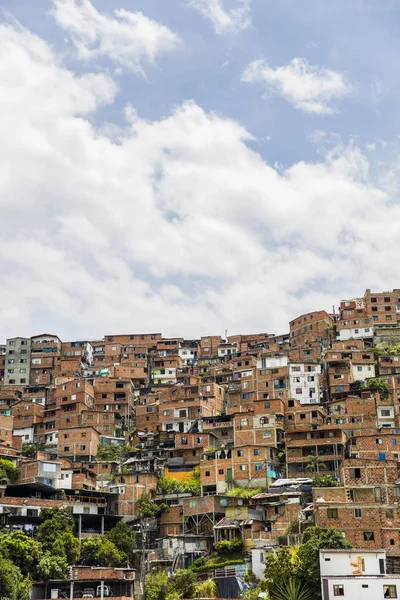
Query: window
[[332, 513], [358, 513], [378, 494], [390, 591], [220, 471], [184, 441], [90, 417], [244, 422], [82, 447], [388, 317], [242, 467], [66, 448], [207, 473], [266, 434], [257, 452], [299, 391], [192, 503], [386, 299], [166, 413], [246, 396], [338, 590], [267, 405], [66, 436], [355, 473], [241, 453], [369, 537], [385, 413]]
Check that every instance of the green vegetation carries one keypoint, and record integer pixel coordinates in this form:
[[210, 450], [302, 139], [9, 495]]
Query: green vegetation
[[13, 585], [100, 552], [114, 452], [301, 565], [56, 534], [8, 471], [225, 548], [148, 509], [169, 485], [377, 385], [124, 539], [324, 481], [315, 464], [246, 493], [206, 589], [29, 450], [292, 589]]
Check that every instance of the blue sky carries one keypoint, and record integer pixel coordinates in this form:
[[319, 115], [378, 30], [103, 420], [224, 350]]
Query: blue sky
[[205, 173]]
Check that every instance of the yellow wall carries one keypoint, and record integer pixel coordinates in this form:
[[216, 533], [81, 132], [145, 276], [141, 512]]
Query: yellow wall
[[179, 475]]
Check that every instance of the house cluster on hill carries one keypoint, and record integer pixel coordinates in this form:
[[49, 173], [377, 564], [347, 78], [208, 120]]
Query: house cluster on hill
[[193, 442]]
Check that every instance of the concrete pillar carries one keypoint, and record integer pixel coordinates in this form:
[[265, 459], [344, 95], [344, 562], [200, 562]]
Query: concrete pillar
[[79, 527], [71, 590], [102, 525], [101, 590]]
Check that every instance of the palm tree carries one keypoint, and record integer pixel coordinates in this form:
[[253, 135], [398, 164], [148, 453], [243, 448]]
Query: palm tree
[[315, 463], [292, 589]]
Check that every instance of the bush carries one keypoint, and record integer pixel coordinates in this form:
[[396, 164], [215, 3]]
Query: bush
[[225, 547], [324, 481]]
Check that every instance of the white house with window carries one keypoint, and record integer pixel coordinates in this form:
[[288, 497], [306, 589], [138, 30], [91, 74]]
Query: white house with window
[[304, 382], [362, 372], [357, 574], [357, 333], [386, 416]]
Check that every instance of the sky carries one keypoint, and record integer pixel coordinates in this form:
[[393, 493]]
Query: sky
[[195, 166]]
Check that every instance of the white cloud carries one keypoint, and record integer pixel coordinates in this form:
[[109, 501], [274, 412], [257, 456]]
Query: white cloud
[[174, 225], [224, 21], [308, 88], [127, 38]]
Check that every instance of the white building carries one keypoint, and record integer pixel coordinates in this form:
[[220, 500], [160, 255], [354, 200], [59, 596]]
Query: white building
[[362, 372], [386, 416], [304, 382], [356, 333], [356, 574], [188, 354], [272, 362]]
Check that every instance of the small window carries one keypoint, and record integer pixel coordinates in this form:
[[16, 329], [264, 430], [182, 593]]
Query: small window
[[207, 473], [358, 513], [257, 452], [390, 591], [338, 590], [332, 513], [369, 536]]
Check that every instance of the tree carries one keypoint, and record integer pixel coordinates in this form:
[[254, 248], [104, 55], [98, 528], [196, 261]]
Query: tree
[[324, 481], [314, 540], [100, 552], [378, 385], [206, 589], [56, 534], [292, 589], [182, 584], [156, 585], [30, 450], [280, 566], [9, 469], [10, 580], [51, 567], [21, 549], [124, 539], [315, 463], [148, 509]]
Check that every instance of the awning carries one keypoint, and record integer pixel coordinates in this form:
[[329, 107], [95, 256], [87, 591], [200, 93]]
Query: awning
[[227, 524]]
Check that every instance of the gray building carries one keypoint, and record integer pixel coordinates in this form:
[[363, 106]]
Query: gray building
[[17, 361]]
